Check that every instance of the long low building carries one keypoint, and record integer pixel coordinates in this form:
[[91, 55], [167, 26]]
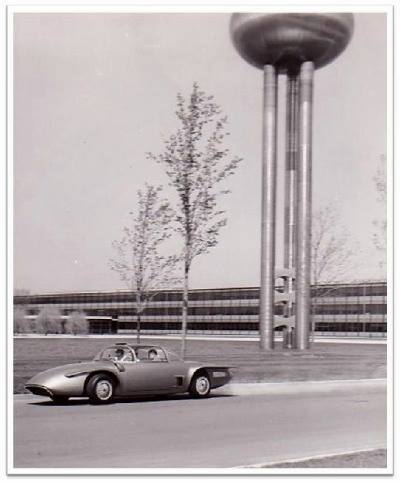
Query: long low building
[[337, 309]]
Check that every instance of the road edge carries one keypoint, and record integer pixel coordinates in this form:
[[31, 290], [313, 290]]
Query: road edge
[[266, 464]]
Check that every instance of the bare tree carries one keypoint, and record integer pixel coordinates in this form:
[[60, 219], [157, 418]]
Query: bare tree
[[196, 163], [139, 260], [332, 248], [332, 252], [380, 181]]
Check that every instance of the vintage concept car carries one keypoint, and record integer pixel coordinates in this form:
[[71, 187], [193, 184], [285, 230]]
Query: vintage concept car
[[128, 370]]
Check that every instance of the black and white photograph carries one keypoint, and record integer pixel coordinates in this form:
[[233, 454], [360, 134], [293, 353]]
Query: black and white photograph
[[200, 239]]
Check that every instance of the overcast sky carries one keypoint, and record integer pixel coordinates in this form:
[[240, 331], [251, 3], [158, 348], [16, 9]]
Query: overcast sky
[[94, 92]]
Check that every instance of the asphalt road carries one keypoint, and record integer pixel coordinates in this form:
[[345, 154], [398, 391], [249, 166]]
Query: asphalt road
[[220, 432]]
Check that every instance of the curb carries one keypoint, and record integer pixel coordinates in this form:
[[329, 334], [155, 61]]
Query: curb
[[267, 464], [230, 338]]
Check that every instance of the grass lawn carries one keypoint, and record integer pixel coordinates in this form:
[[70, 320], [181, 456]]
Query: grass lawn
[[362, 459], [323, 362]]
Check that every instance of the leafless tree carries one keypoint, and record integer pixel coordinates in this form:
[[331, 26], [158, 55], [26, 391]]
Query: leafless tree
[[196, 163], [380, 180], [332, 252], [139, 260], [332, 247]]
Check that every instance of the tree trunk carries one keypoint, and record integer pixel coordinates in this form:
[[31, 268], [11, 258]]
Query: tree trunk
[[138, 318], [313, 311], [185, 305], [313, 315], [138, 315]]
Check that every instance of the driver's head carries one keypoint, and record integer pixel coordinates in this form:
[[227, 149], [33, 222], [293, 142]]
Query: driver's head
[[119, 353], [152, 354]]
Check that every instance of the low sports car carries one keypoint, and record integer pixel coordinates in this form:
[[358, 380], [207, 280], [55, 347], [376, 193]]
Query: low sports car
[[123, 370]]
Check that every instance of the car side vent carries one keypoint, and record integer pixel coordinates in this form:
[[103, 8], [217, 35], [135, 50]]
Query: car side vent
[[179, 380]]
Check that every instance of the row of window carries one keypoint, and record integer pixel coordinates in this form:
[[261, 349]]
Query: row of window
[[349, 309], [376, 289], [349, 291], [244, 310], [350, 327], [250, 326]]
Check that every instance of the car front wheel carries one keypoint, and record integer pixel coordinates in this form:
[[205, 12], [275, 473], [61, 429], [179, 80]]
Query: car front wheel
[[200, 385], [100, 389]]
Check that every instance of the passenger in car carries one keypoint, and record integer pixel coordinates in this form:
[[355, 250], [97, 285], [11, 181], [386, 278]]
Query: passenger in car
[[153, 355]]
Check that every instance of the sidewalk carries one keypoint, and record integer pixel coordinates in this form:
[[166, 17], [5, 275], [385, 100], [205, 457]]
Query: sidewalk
[[213, 337], [337, 386]]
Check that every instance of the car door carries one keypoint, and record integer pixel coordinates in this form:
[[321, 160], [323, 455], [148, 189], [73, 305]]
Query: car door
[[151, 376], [143, 377]]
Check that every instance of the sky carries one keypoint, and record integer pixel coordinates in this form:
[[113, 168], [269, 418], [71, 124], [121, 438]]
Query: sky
[[93, 93]]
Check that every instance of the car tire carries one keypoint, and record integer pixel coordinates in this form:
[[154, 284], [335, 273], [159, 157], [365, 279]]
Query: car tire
[[100, 389], [59, 399], [200, 385]]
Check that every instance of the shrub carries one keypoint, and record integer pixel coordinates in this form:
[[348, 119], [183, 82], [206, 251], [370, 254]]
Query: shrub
[[48, 321], [21, 324], [76, 323]]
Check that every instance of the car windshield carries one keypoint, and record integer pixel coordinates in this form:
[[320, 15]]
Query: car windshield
[[116, 354]]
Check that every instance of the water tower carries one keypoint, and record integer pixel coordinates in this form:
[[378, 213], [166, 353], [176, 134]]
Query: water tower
[[293, 44]]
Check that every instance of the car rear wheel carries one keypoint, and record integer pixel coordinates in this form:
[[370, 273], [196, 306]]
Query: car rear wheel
[[200, 385], [59, 399], [100, 389]]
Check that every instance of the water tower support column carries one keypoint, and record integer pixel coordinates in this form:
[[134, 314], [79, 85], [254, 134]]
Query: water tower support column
[[304, 213], [292, 127], [268, 209]]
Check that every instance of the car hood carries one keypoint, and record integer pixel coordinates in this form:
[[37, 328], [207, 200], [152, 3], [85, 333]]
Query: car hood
[[71, 370]]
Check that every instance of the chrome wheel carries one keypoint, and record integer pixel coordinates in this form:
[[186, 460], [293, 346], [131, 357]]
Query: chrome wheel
[[104, 390], [200, 385], [100, 389]]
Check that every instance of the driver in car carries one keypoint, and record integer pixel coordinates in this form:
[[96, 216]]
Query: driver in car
[[122, 356], [119, 354]]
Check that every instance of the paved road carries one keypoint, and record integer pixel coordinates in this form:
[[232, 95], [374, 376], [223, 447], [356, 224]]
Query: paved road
[[222, 431]]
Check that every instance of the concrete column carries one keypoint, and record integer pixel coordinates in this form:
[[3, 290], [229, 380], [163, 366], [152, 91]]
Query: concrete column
[[304, 213], [268, 209], [292, 111]]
